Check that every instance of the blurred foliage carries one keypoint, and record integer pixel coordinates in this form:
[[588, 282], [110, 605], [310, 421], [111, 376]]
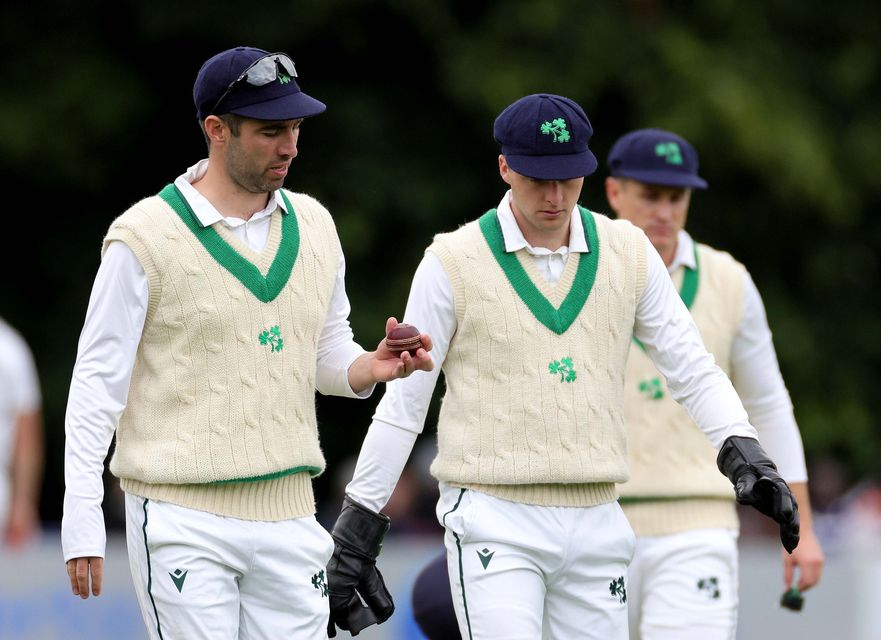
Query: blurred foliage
[[780, 98]]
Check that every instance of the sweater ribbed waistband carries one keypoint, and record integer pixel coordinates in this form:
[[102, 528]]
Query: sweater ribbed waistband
[[266, 500], [551, 494], [660, 517]]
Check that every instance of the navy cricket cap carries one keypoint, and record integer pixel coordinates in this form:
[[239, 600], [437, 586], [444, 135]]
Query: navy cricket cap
[[277, 98], [544, 136], [655, 156]]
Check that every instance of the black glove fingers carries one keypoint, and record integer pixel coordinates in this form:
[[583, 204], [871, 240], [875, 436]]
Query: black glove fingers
[[783, 502], [359, 617], [745, 489], [372, 588], [784, 509], [757, 483]]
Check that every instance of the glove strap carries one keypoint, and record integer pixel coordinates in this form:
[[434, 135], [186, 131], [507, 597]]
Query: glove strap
[[360, 530], [738, 453]]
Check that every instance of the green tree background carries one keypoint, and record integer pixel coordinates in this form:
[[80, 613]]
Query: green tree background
[[780, 98]]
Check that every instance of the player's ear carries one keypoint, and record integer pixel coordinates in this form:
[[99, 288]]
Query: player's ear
[[613, 190], [215, 129], [503, 169]]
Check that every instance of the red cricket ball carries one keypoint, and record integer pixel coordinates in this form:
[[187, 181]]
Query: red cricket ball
[[404, 337]]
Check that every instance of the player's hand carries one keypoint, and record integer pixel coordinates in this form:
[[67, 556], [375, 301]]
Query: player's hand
[[384, 365], [809, 560], [22, 525], [391, 365], [757, 483], [82, 572], [352, 572]]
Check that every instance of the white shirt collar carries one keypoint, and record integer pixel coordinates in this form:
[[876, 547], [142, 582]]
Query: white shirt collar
[[205, 212], [684, 252], [514, 239]]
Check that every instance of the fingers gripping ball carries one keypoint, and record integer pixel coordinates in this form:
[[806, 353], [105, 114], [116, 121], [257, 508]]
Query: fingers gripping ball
[[757, 483], [352, 575], [404, 337]]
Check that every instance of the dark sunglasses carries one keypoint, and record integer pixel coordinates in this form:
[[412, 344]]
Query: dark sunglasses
[[273, 66]]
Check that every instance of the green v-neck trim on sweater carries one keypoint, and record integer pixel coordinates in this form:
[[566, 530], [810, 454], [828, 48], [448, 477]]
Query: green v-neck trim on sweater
[[555, 319], [265, 288]]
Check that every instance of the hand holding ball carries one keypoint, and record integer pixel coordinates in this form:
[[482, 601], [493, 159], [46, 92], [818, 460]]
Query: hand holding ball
[[404, 337]]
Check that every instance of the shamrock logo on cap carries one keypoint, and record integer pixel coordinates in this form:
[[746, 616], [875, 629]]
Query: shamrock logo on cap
[[670, 151], [557, 128]]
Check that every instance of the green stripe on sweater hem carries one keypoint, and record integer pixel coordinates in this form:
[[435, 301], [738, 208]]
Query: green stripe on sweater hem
[[313, 471], [640, 499]]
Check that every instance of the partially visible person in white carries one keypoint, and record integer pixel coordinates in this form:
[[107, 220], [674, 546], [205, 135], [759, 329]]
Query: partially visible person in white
[[684, 573], [21, 440]]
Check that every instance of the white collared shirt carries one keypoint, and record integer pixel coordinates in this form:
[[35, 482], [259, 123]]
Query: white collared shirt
[[106, 355]]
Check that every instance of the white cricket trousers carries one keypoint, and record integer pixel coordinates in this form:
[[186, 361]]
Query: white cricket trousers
[[202, 576], [523, 572], [684, 586]]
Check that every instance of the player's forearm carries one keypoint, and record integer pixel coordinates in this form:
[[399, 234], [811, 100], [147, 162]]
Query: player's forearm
[[28, 459], [800, 491]]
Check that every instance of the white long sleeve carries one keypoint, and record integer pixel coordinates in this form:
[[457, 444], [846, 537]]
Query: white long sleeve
[[756, 375]]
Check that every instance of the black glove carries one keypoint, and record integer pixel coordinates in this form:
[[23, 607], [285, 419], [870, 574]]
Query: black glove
[[357, 536], [757, 483]]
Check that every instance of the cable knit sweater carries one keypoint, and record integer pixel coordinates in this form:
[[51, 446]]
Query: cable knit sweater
[[221, 407], [533, 406]]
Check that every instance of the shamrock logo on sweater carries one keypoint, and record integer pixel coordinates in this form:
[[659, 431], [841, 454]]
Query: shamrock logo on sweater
[[273, 339], [564, 368], [652, 389]]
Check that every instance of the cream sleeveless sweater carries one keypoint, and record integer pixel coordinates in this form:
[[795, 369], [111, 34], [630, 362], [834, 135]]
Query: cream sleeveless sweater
[[674, 483], [534, 374], [221, 407]]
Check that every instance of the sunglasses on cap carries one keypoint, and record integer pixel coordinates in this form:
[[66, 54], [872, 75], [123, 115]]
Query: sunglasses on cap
[[273, 66]]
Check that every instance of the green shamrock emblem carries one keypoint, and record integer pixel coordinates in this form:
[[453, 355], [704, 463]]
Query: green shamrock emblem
[[557, 128], [283, 78], [273, 339], [320, 583], [617, 589], [670, 152], [564, 368], [652, 389]]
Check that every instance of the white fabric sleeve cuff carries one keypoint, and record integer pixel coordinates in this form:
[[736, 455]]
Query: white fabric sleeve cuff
[[82, 529], [332, 374]]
